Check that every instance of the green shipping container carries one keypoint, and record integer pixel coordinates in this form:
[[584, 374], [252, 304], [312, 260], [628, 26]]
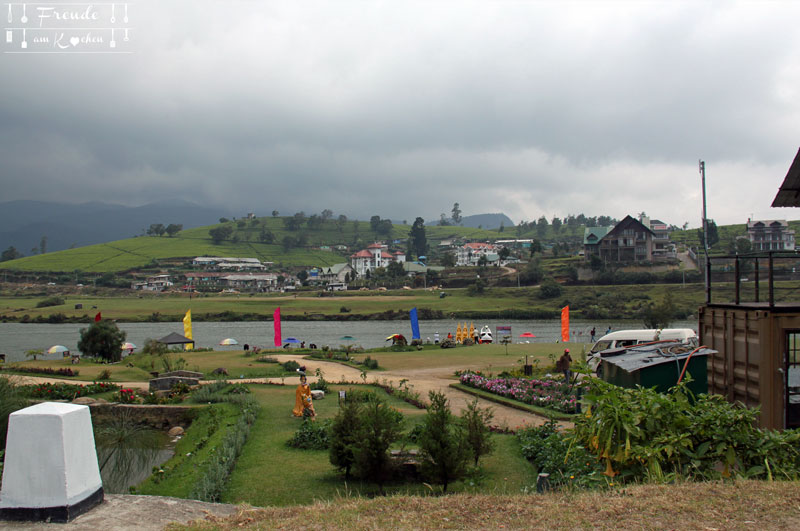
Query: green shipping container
[[651, 366]]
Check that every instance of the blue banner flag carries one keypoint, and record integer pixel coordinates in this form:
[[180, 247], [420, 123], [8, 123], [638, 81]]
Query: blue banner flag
[[414, 324]]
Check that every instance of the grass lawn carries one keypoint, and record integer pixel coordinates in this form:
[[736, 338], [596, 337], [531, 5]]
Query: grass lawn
[[269, 473], [234, 361]]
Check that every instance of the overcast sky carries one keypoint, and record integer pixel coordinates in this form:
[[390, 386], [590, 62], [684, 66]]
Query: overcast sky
[[401, 108]]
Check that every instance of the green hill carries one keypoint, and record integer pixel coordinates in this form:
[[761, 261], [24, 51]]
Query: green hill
[[288, 248]]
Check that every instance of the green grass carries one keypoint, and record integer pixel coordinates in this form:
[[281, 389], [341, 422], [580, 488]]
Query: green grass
[[234, 361], [544, 412], [182, 471], [299, 477]]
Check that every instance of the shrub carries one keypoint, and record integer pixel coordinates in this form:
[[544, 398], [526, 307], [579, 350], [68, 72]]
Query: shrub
[[105, 374], [153, 347], [290, 366], [125, 396], [343, 436], [50, 301], [642, 433], [370, 363], [551, 452], [266, 359], [64, 391], [11, 399], [379, 428], [476, 425], [550, 289], [311, 436]]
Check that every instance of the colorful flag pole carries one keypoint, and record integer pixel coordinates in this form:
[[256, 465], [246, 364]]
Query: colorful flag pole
[[565, 324], [414, 324], [187, 329], [276, 317]]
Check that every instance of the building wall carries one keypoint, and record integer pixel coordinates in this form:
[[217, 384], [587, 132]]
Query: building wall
[[749, 364]]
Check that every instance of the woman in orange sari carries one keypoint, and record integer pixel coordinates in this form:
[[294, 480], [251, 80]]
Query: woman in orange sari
[[303, 405]]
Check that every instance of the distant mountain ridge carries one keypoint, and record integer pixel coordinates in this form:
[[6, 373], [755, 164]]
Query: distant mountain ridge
[[24, 222]]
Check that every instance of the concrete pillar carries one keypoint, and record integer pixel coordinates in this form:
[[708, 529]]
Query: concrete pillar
[[51, 471]]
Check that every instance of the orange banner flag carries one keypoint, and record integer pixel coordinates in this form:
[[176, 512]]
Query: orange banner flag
[[565, 324]]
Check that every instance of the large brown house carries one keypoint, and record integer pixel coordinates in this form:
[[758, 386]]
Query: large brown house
[[628, 241]]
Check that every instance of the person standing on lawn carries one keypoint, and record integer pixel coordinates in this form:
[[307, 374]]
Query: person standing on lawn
[[303, 406]]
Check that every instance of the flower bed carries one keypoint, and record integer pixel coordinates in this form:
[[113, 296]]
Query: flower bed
[[552, 394], [42, 370], [63, 391]]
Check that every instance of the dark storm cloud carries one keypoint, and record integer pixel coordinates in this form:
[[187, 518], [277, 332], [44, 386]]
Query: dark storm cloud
[[401, 109]]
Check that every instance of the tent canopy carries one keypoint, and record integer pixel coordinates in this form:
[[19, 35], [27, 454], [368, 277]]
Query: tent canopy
[[175, 339]]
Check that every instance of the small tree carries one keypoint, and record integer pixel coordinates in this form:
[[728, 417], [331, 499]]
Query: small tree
[[173, 229], [442, 442], [33, 353], [380, 427], [476, 425], [103, 340], [343, 436]]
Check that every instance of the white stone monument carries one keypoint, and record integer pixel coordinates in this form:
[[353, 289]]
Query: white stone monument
[[51, 471]]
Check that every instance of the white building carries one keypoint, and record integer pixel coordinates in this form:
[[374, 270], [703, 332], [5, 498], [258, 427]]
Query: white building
[[374, 256], [770, 235], [469, 253]]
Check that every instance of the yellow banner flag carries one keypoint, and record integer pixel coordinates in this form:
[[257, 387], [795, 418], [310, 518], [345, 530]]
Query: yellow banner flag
[[187, 329]]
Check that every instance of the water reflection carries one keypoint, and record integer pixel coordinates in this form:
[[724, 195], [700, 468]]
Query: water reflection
[[127, 450]]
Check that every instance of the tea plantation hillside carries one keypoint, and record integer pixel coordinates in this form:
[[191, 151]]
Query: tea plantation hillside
[[286, 241]]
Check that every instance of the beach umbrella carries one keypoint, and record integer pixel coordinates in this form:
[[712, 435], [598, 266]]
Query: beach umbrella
[[229, 341], [527, 334], [128, 346], [291, 340], [346, 338], [57, 349]]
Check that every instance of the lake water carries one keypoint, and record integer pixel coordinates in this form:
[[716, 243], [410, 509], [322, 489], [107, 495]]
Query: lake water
[[16, 338]]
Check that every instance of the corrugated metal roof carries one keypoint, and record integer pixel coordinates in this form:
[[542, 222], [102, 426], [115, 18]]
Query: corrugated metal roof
[[789, 192], [636, 358], [595, 233]]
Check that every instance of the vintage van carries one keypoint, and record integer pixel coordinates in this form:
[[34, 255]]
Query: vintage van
[[629, 338]]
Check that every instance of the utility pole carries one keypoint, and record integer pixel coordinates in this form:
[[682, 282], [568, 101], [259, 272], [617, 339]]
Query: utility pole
[[705, 231]]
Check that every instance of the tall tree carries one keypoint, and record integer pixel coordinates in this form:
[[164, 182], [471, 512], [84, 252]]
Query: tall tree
[[456, 214], [156, 229], [556, 224], [43, 245], [541, 226], [102, 340], [417, 241], [220, 233], [442, 442], [326, 214]]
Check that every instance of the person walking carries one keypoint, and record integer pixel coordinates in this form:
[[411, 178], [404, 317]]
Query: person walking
[[593, 332], [563, 363]]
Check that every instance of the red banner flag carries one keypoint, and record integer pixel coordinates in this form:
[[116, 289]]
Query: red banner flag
[[565, 324], [276, 317], [97, 318]]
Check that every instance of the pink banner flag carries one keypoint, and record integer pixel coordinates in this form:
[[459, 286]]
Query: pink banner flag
[[276, 317]]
